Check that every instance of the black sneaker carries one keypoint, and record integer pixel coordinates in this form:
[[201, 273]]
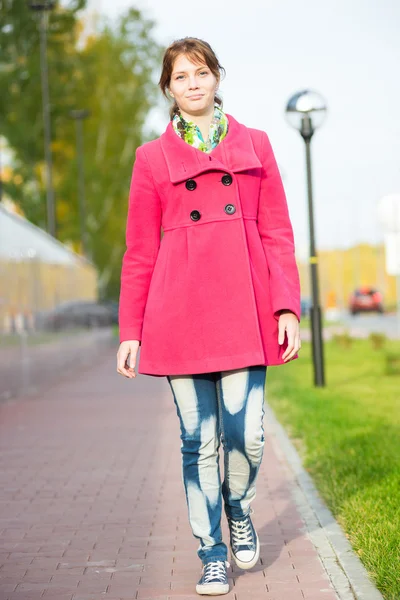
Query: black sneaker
[[214, 578], [245, 545]]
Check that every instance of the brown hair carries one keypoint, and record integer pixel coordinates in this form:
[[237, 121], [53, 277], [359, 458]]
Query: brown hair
[[197, 51]]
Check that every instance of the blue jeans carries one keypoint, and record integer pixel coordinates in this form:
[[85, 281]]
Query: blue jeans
[[227, 406]]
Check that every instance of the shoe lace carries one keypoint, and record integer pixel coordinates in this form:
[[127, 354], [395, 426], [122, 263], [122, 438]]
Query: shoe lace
[[215, 570], [241, 532]]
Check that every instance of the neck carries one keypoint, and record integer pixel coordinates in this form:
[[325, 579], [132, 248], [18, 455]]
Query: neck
[[202, 120]]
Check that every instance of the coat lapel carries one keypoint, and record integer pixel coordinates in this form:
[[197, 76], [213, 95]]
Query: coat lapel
[[235, 153]]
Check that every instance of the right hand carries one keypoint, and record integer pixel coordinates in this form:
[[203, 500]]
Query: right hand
[[129, 347]]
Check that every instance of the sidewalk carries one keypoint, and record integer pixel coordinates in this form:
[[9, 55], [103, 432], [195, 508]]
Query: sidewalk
[[93, 503], [28, 366]]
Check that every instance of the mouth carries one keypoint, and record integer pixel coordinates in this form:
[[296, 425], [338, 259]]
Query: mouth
[[196, 97]]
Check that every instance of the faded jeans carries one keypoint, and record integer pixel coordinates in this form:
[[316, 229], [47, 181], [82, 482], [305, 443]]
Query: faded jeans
[[227, 406]]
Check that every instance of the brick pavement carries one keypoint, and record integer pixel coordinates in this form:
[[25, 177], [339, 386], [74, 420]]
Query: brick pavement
[[93, 506]]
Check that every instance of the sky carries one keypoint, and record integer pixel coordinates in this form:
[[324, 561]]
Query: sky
[[349, 52]]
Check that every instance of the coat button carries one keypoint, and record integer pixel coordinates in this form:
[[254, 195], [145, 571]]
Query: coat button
[[195, 215], [230, 209], [226, 179], [191, 184]]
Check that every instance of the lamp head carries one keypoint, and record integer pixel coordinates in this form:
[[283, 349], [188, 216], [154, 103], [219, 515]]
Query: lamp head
[[305, 111]]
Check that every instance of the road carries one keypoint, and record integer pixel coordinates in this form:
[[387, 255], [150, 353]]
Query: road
[[363, 325], [359, 326]]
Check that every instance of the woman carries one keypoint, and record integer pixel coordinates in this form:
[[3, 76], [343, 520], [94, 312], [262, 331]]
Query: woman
[[214, 300]]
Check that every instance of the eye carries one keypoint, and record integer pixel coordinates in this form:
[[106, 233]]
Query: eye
[[179, 76], [203, 72]]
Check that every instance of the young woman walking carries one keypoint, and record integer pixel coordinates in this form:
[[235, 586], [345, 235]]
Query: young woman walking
[[213, 300]]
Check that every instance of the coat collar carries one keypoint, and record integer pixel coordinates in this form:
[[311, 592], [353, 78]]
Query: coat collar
[[234, 153]]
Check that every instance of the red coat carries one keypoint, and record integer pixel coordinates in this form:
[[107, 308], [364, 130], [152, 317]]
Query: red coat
[[205, 297]]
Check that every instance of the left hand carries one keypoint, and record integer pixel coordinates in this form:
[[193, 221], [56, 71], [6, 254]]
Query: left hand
[[288, 322]]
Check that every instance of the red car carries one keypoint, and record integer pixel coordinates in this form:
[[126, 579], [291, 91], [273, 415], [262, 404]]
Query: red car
[[366, 299]]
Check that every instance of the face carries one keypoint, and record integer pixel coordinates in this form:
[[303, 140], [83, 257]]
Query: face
[[193, 86]]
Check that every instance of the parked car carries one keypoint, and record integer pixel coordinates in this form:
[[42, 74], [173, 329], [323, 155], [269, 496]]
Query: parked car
[[112, 306], [366, 299], [78, 313]]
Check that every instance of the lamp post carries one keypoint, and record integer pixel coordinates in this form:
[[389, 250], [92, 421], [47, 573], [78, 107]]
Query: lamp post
[[305, 111], [79, 116], [42, 8]]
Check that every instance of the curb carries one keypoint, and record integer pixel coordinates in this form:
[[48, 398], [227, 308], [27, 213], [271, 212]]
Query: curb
[[344, 568]]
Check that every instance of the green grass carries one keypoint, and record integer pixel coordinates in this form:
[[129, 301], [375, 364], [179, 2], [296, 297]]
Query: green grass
[[348, 435]]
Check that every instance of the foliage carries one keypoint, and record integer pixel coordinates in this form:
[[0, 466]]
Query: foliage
[[21, 119], [392, 363], [377, 340], [109, 72], [344, 340]]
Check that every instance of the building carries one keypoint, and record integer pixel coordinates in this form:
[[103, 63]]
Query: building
[[37, 272]]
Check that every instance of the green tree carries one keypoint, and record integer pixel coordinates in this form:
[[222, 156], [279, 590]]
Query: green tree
[[21, 120], [110, 73], [114, 81]]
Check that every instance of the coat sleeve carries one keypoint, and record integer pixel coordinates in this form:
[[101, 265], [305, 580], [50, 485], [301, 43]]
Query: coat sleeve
[[276, 234], [143, 235]]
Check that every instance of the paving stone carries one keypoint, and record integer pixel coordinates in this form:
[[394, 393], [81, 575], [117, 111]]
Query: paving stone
[[92, 503]]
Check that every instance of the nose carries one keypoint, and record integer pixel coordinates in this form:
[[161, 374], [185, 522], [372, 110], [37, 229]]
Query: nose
[[193, 82]]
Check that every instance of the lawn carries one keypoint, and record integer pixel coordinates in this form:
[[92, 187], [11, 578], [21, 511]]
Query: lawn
[[348, 435]]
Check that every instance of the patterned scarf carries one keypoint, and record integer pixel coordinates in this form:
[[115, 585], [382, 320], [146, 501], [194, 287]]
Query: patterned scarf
[[190, 133]]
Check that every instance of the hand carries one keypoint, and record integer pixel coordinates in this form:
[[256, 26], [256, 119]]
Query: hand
[[127, 348], [288, 322]]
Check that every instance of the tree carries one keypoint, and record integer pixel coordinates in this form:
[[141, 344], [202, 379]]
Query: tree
[[21, 120], [108, 72]]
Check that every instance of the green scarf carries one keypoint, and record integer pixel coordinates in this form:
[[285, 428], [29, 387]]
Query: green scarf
[[190, 133]]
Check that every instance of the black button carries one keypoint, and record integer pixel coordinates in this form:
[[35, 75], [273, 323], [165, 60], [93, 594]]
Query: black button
[[191, 184], [230, 209], [195, 215], [226, 179]]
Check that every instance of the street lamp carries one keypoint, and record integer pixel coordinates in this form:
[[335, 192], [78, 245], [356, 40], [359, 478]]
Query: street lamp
[[79, 116], [42, 8], [305, 111]]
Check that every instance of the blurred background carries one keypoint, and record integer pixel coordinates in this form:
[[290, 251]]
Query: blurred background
[[79, 93]]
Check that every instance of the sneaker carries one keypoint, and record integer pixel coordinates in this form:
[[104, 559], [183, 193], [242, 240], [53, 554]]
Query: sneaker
[[214, 578], [245, 545]]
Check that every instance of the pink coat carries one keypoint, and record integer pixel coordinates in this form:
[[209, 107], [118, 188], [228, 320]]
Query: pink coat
[[205, 297]]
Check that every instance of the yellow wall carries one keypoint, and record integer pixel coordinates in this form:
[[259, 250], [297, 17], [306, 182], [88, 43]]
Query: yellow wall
[[33, 286], [341, 271]]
